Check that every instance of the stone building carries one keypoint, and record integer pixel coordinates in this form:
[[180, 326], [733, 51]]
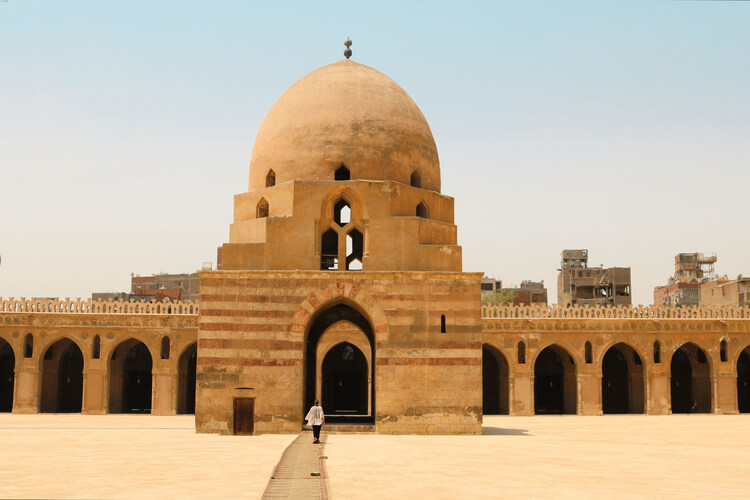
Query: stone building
[[342, 281], [578, 284], [342, 275]]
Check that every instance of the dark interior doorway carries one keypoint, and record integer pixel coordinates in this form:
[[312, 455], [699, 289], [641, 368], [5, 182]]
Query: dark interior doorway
[[494, 382], [554, 382], [318, 325], [622, 380], [62, 378], [244, 416], [344, 387], [130, 378], [743, 381], [7, 376], [186, 390], [690, 380]]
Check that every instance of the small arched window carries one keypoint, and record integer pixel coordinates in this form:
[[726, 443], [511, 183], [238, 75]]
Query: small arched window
[[521, 352], [423, 211], [723, 351], [342, 212], [342, 174], [588, 354], [96, 347], [28, 346], [165, 347], [416, 180], [270, 178], [262, 209], [329, 250], [657, 352], [354, 250]]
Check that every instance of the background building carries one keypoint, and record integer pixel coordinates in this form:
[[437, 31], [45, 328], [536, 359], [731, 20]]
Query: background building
[[684, 288], [726, 292], [158, 287], [578, 284]]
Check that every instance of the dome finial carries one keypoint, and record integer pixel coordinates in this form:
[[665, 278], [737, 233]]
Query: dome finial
[[348, 51]]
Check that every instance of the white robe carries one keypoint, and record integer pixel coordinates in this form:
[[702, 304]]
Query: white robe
[[315, 416]]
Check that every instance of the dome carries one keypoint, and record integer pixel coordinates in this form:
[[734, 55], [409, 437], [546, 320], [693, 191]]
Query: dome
[[345, 114]]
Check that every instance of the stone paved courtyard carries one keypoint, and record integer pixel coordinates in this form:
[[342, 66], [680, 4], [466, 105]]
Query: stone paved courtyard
[[117, 456]]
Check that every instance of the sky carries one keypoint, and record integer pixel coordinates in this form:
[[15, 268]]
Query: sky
[[621, 127]]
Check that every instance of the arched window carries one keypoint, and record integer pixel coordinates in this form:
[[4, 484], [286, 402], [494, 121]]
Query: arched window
[[28, 346], [329, 250], [657, 352], [442, 323], [416, 181], [342, 212], [521, 353], [423, 211], [96, 347], [270, 178], [342, 174], [354, 247], [165, 347], [723, 351], [262, 209], [588, 354]]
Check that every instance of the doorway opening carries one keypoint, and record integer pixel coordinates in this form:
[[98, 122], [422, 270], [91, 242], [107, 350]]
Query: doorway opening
[[62, 378], [186, 389], [622, 380], [494, 382], [554, 382], [690, 380], [130, 378], [344, 373], [743, 381], [7, 376]]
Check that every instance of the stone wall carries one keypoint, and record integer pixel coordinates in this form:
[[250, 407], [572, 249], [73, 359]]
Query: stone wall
[[255, 326]]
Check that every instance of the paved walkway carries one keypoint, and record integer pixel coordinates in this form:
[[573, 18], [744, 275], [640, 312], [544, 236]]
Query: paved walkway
[[301, 472]]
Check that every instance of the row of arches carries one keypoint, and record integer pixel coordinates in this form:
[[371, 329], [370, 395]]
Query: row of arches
[[623, 380], [343, 174], [130, 368]]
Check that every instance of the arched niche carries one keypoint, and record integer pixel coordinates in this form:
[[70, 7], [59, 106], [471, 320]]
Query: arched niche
[[356, 329], [555, 384]]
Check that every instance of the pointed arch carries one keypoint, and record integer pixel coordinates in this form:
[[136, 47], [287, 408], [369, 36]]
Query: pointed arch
[[7, 375], [416, 180], [270, 178], [623, 380], [423, 210], [61, 377], [187, 380], [495, 378], [130, 378], [342, 174], [262, 209], [555, 381], [690, 377]]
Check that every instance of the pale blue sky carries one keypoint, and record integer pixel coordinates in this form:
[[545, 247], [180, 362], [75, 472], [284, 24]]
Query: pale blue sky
[[622, 127]]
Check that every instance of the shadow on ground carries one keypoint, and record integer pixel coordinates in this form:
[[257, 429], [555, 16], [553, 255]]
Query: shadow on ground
[[499, 431]]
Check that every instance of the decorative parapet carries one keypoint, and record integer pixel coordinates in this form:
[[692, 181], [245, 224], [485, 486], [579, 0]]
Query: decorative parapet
[[78, 306], [612, 312]]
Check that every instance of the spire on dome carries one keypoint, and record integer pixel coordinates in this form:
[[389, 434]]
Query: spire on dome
[[348, 51]]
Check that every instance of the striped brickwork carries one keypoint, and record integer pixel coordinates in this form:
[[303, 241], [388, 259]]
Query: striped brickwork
[[253, 329]]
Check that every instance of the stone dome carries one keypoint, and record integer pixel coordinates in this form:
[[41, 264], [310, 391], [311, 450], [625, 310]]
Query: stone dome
[[345, 114]]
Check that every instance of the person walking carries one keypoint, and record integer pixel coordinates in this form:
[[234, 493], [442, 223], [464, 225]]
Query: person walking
[[316, 418]]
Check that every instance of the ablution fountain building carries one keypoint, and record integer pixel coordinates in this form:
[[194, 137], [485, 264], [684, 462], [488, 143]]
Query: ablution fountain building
[[342, 281]]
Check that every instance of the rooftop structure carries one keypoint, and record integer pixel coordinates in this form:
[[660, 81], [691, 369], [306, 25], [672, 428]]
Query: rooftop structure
[[578, 284]]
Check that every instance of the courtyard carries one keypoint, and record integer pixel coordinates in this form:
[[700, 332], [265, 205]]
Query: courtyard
[[633, 456]]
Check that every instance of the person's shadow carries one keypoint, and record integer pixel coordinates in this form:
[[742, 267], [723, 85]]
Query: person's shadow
[[500, 431]]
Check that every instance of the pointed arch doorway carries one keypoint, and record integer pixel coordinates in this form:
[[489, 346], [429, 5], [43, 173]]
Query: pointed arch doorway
[[339, 365]]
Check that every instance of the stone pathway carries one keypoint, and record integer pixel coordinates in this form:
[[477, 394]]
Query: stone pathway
[[301, 472]]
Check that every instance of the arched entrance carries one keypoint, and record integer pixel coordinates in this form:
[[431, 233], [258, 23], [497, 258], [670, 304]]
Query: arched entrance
[[62, 378], [7, 376], [690, 380], [494, 382], [350, 371], [186, 389], [130, 378], [622, 380], [344, 382], [743, 381], [554, 382]]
